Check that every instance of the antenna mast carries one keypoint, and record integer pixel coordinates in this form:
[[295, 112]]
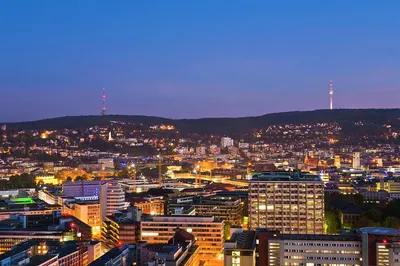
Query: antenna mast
[[103, 111], [330, 95]]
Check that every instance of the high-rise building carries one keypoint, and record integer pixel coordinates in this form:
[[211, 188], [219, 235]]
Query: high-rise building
[[356, 160], [290, 203], [112, 198], [209, 233], [226, 142]]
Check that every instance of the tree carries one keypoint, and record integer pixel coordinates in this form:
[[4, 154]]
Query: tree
[[374, 215], [392, 222], [80, 178], [227, 230], [69, 179], [64, 174], [364, 222], [22, 181], [393, 208], [332, 222]]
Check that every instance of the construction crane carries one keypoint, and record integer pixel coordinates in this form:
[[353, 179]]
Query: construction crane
[[160, 181]]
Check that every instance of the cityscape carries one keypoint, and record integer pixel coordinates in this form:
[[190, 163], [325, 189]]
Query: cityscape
[[306, 186]]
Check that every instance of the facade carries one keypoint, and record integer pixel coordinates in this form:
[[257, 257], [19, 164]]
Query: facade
[[240, 249], [81, 188], [226, 142], [208, 232], [107, 163], [117, 231], [288, 203], [46, 253], [153, 206], [88, 213], [180, 250], [9, 239], [112, 198], [372, 246], [356, 160], [124, 255], [227, 208], [47, 180]]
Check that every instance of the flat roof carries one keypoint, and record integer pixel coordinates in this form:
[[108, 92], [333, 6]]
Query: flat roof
[[380, 231]]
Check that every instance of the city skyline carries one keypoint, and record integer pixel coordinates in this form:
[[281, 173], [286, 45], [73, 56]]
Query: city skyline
[[181, 60]]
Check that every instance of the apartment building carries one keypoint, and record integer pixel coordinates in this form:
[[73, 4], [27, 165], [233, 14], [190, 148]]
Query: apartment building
[[289, 202]]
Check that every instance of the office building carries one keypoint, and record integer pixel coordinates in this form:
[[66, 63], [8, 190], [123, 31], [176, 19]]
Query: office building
[[82, 188], [337, 161], [150, 205], [180, 250], [240, 249], [124, 255], [208, 231], [289, 202], [372, 246], [356, 160], [227, 208], [119, 230], [86, 211], [112, 198]]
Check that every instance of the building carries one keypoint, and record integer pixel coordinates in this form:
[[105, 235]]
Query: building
[[107, 163], [356, 160], [86, 211], [226, 142], [227, 208], [372, 246], [25, 206], [337, 161], [11, 238], [124, 255], [275, 249], [153, 206], [289, 202], [49, 252], [47, 180], [120, 230], [81, 188], [180, 250], [208, 231], [112, 198], [240, 249], [49, 198]]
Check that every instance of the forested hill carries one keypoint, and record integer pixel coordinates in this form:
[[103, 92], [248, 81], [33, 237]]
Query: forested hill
[[225, 125]]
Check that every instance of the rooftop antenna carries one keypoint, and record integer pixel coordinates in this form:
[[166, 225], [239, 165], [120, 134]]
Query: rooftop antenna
[[103, 111], [330, 95]]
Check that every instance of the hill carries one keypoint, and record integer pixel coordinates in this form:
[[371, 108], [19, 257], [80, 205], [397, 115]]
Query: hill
[[225, 125]]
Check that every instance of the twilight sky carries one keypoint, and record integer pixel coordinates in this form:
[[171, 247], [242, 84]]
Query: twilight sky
[[190, 59]]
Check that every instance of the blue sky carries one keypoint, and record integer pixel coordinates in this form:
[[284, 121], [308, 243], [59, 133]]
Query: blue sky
[[189, 59]]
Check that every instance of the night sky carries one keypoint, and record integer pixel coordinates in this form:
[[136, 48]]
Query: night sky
[[190, 59]]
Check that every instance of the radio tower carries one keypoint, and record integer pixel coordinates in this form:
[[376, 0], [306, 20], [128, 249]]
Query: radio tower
[[103, 111], [330, 95]]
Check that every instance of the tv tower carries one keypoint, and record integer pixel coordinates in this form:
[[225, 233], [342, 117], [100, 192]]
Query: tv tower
[[330, 95], [103, 111]]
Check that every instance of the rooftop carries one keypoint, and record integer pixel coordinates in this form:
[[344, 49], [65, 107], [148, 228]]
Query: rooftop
[[380, 231], [285, 176]]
